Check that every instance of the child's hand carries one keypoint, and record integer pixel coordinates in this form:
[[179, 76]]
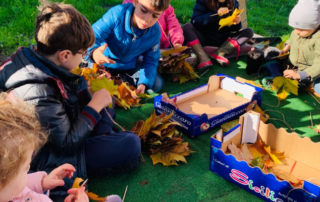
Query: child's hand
[[55, 178], [177, 45], [99, 57], [223, 11], [237, 20], [141, 88], [291, 74], [77, 195], [100, 99]]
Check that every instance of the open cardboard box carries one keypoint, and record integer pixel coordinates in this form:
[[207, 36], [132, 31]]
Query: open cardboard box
[[210, 105], [303, 151]]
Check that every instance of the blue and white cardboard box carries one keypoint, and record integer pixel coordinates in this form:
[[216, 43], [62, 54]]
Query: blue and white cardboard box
[[300, 151], [210, 105]]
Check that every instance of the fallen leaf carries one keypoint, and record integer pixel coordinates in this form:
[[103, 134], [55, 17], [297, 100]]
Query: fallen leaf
[[273, 157], [76, 182], [284, 87], [285, 176], [280, 46], [95, 197], [229, 20], [253, 83], [142, 183]]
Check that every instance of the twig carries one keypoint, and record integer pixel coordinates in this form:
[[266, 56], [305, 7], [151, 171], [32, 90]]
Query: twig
[[314, 98], [293, 167], [84, 183], [114, 121], [124, 195], [218, 13], [204, 72], [142, 158], [311, 119]]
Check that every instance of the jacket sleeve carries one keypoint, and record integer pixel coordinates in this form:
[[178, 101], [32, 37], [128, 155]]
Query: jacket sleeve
[[149, 65], [103, 28], [65, 135], [34, 181], [314, 70], [175, 30], [201, 18]]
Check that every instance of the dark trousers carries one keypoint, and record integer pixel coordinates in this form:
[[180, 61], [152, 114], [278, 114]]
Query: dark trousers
[[109, 151], [191, 34]]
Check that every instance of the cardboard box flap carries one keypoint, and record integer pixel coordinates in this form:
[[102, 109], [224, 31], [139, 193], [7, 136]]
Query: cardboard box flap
[[214, 82], [250, 127], [234, 86]]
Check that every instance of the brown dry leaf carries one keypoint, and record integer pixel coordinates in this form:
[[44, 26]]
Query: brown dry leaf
[[125, 94], [285, 176], [259, 145], [142, 183], [95, 197], [167, 158], [246, 153]]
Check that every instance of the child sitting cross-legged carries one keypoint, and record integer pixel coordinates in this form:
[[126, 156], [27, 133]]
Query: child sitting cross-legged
[[125, 33], [79, 124], [303, 63], [21, 136]]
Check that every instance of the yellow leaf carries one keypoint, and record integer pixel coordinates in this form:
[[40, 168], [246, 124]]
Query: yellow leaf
[[76, 182], [143, 96], [167, 118], [273, 157], [98, 84], [263, 116], [261, 45], [229, 20], [253, 83], [255, 153], [167, 158], [280, 46], [182, 78], [284, 87], [95, 197], [77, 71], [175, 50], [89, 74]]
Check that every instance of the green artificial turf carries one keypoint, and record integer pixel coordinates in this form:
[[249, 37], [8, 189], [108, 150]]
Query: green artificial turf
[[194, 181]]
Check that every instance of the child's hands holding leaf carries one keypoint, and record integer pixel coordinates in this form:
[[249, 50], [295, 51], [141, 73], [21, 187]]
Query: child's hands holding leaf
[[177, 45], [77, 195], [55, 178], [140, 90], [100, 99], [291, 74], [223, 10], [237, 20], [99, 57]]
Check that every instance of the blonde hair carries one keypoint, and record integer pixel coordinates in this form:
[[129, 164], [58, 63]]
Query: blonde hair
[[20, 131], [60, 26]]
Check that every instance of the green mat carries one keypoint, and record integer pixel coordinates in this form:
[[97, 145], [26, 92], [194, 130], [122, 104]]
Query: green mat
[[194, 181]]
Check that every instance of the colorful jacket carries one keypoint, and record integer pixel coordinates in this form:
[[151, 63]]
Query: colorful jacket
[[209, 25], [124, 47], [33, 190], [61, 107], [308, 58], [170, 27]]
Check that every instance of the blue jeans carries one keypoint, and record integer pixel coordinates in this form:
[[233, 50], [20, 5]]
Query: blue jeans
[[109, 151], [317, 86]]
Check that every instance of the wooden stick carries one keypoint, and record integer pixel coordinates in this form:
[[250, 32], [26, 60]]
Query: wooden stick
[[84, 183], [218, 13], [204, 72], [311, 119], [124, 195], [293, 167], [314, 98]]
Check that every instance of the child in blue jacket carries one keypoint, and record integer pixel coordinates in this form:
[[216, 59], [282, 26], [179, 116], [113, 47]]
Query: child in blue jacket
[[125, 33]]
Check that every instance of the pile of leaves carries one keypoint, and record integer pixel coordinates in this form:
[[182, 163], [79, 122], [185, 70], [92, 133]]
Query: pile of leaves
[[284, 86], [161, 140], [269, 161], [121, 91], [173, 63]]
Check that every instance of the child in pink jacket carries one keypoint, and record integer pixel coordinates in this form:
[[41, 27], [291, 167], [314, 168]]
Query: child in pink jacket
[[21, 136], [171, 31]]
